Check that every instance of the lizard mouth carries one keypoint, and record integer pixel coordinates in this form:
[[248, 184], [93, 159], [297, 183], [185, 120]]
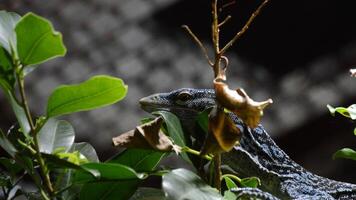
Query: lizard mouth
[[149, 104]]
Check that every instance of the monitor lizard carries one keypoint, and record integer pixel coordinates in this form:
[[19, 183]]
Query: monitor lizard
[[257, 155]]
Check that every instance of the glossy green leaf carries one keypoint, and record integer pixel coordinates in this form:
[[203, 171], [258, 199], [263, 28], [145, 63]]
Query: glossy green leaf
[[141, 160], [345, 153], [98, 91], [86, 150], [37, 41], [6, 145], [229, 183], [8, 21], [355, 131], [108, 190], [175, 131], [55, 134], [108, 171], [184, 184], [349, 112], [54, 162], [252, 182], [144, 193]]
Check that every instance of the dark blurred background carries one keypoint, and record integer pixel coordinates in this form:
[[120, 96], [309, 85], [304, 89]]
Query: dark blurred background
[[296, 52]]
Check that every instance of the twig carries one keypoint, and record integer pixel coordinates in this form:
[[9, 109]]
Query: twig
[[246, 26], [225, 20], [215, 29], [199, 43]]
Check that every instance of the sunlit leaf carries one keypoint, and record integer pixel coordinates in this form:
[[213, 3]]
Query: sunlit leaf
[[6, 145], [55, 134], [184, 184], [349, 112], [8, 21], [98, 91], [228, 195], [229, 183], [86, 150], [37, 41]]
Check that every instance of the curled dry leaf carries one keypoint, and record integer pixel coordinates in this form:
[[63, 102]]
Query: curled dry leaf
[[238, 102], [146, 136], [223, 134], [353, 72]]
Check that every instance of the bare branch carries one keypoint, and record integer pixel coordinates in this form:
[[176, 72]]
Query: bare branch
[[215, 27], [246, 26], [199, 43], [225, 20]]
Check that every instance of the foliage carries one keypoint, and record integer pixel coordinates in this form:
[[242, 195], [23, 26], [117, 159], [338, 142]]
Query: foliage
[[43, 149], [349, 112]]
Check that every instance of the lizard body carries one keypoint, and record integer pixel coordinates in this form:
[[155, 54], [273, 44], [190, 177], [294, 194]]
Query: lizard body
[[258, 155]]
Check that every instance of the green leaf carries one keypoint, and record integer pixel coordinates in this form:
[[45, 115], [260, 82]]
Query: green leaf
[[18, 110], [109, 190], [203, 120], [6, 145], [184, 184], [98, 91], [252, 182], [175, 131], [141, 160], [229, 183], [355, 131], [55, 134], [54, 162], [144, 193], [37, 41], [8, 21], [345, 153], [108, 171], [228, 195], [6, 70], [349, 112], [86, 150], [10, 165]]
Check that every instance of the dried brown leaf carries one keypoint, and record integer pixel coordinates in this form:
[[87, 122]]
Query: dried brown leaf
[[146, 136], [238, 102], [223, 134]]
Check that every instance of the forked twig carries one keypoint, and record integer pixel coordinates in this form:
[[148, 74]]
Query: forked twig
[[246, 26], [199, 43]]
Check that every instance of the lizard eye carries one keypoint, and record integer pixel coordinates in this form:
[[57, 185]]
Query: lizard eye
[[183, 97]]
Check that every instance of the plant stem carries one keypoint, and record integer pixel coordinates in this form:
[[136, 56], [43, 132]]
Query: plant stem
[[217, 171], [195, 152], [43, 168]]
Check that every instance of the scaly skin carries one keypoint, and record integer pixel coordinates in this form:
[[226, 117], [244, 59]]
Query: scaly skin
[[258, 155]]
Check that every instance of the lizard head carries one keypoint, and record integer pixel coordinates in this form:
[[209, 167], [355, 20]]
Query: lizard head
[[185, 102]]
